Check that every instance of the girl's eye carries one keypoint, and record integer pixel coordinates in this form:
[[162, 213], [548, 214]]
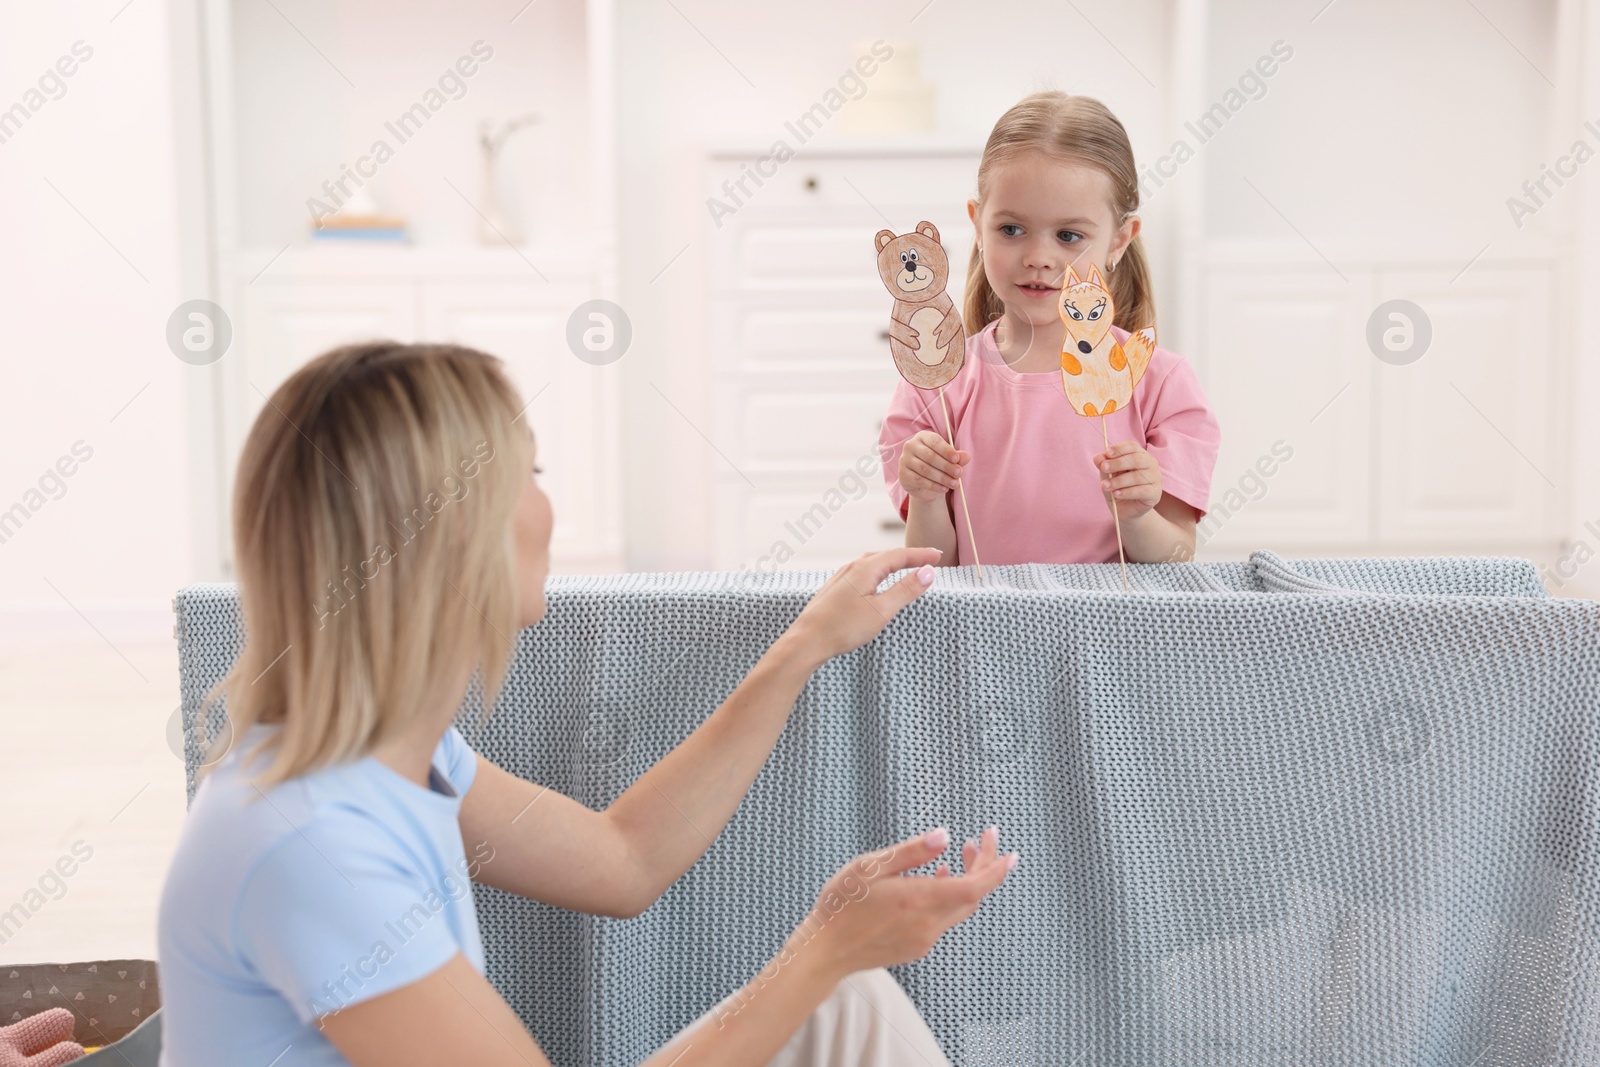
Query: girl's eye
[[1007, 228], [1068, 236]]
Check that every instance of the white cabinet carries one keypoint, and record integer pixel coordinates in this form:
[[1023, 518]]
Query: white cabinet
[[1467, 434], [572, 405], [289, 323], [315, 299], [1282, 362], [800, 346], [1450, 451]]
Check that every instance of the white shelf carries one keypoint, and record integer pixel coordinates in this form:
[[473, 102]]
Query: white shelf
[[382, 261], [273, 141], [855, 146]]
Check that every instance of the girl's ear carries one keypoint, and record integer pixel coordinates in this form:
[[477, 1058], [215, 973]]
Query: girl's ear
[[1125, 235]]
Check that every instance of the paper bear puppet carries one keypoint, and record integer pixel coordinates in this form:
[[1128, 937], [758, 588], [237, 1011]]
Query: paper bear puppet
[[926, 337], [1097, 373]]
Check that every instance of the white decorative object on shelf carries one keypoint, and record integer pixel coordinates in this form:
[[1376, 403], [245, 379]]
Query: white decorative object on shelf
[[495, 227], [896, 101]]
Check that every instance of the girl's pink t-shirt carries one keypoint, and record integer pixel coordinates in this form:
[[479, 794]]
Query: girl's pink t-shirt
[[1031, 485]]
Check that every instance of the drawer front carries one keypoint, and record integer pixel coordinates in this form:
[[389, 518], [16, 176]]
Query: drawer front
[[818, 523], [829, 249], [807, 430], [835, 182], [800, 336]]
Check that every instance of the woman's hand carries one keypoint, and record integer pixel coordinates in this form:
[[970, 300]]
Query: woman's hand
[[1130, 479], [870, 914], [930, 466], [847, 611]]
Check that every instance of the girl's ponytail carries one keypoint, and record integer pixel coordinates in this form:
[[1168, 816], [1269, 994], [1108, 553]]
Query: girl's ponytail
[[1131, 289], [981, 304]]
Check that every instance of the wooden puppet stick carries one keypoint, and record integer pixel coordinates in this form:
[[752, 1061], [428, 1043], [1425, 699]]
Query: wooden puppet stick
[[962, 486], [1114, 514]]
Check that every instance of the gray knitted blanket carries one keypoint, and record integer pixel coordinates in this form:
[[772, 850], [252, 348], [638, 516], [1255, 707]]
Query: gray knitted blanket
[[1320, 812]]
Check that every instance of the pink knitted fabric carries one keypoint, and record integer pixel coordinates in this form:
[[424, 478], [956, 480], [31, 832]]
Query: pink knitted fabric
[[43, 1040]]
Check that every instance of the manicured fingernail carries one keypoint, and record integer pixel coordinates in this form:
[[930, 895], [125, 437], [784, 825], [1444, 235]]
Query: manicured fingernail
[[1011, 861], [925, 575], [936, 838]]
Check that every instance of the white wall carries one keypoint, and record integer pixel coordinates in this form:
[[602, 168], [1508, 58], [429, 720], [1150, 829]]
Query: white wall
[[1396, 129], [1582, 557], [88, 276]]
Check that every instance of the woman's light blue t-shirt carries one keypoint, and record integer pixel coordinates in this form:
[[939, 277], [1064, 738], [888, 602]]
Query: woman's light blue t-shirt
[[286, 905]]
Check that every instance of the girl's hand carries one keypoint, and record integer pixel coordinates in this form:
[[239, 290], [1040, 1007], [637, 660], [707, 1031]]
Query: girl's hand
[[847, 611], [870, 914], [930, 467], [1130, 479]]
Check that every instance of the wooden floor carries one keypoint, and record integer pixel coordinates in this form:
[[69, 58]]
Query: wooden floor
[[84, 757]]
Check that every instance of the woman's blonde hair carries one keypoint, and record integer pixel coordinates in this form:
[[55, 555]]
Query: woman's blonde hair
[[1073, 129], [373, 548]]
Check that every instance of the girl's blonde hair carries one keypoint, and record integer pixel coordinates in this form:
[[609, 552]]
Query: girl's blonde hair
[[374, 549], [1073, 129]]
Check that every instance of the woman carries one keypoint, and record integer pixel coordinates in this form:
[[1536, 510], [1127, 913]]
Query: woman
[[390, 537]]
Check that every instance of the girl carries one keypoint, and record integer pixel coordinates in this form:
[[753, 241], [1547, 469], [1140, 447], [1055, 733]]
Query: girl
[[344, 810], [1056, 188]]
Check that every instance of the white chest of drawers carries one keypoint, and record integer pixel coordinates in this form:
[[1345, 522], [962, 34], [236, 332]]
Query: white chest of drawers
[[799, 337]]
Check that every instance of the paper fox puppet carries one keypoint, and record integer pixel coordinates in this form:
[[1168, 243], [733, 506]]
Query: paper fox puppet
[[1097, 373], [915, 270]]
